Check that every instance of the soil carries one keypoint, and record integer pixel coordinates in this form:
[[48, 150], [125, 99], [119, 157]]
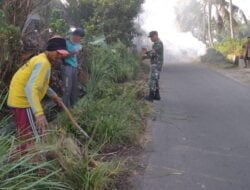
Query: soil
[[132, 158]]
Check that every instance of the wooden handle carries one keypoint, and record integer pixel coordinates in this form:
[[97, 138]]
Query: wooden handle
[[73, 121]]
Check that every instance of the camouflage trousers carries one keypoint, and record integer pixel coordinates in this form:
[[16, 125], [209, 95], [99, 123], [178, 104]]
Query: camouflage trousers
[[154, 77]]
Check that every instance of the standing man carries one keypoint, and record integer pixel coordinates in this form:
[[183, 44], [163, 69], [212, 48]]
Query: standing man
[[247, 52], [27, 89], [156, 56], [70, 80]]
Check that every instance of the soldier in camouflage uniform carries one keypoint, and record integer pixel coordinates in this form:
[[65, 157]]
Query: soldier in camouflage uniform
[[157, 58]]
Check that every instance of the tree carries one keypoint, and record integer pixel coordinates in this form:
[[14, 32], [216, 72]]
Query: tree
[[231, 20], [210, 35], [198, 17], [115, 19]]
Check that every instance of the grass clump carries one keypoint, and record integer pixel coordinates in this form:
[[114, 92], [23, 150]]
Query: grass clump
[[21, 172], [112, 112], [113, 109], [231, 47]]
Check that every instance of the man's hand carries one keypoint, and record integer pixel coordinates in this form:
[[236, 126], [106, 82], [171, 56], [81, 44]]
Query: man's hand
[[41, 122], [144, 53], [144, 50], [57, 100]]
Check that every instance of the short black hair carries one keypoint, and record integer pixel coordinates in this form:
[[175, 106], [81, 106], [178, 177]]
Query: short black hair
[[152, 33], [56, 43], [78, 32]]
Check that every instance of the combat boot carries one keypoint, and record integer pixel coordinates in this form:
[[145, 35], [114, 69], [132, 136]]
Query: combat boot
[[157, 95], [150, 97]]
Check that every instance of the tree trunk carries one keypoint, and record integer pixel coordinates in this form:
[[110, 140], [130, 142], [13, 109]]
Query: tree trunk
[[204, 23], [231, 19], [210, 35]]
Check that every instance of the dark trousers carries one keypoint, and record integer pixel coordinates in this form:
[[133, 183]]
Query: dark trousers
[[70, 85]]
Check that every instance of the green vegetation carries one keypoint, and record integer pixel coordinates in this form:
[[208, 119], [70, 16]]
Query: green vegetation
[[9, 38], [21, 173], [212, 20], [57, 24], [112, 109], [224, 31], [112, 112], [230, 47]]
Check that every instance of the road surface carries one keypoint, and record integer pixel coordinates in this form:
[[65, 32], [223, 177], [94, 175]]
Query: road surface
[[201, 133]]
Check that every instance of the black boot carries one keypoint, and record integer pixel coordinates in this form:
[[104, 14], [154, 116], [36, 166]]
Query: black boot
[[150, 97], [157, 95]]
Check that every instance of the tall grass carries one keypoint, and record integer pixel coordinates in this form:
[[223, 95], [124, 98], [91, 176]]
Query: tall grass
[[20, 172], [112, 112], [231, 47]]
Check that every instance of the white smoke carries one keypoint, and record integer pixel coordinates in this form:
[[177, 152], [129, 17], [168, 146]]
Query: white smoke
[[244, 5], [160, 15]]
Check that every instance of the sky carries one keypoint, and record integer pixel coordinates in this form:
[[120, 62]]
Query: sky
[[160, 15], [244, 5]]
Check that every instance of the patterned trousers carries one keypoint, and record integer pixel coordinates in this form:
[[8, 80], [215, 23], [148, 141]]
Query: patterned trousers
[[154, 77]]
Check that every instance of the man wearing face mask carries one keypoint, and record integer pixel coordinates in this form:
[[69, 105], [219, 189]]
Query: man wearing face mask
[[156, 58]]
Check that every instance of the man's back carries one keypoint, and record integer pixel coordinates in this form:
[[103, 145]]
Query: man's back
[[158, 49], [35, 72]]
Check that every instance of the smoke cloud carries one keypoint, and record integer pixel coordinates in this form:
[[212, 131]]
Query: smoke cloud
[[160, 15]]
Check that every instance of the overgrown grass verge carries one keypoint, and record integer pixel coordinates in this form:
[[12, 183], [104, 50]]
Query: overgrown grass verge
[[112, 112], [230, 47], [226, 51]]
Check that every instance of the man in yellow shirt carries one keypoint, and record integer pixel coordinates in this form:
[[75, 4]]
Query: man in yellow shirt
[[28, 87]]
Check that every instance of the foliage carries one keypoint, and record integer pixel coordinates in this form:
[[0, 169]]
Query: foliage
[[193, 16], [22, 173], [9, 49], [113, 18], [75, 13], [230, 47], [80, 167], [57, 24], [108, 90], [112, 111], [214, 57]]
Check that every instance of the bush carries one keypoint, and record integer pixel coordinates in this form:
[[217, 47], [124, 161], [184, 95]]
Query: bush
[[230, 47], [9, 49], [214, 57], [112, 112], [18, 172]]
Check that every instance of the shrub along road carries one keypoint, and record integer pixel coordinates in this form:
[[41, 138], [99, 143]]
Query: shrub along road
[[201, 133]]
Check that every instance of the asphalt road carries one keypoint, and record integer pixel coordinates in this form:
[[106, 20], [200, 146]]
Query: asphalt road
[[201, 133]]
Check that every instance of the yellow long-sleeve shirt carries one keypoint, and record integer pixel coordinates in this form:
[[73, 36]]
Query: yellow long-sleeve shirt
[[30, 84]]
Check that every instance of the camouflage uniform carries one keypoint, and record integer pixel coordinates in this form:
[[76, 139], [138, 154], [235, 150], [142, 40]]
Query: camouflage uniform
[[157, 58]]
